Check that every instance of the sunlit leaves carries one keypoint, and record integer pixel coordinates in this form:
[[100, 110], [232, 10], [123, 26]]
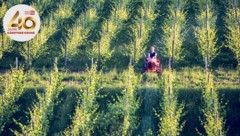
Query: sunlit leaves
[[40, 6], [65, 9], [120, 118], [171, 111], [3, 10], [13, 88], [85, 114], [42, 111], [175, 33], [213, 121], [206, 32], [233, 25]]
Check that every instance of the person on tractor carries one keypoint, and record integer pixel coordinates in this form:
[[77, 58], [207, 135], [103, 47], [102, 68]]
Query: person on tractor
[[151, 63], [152, 56]]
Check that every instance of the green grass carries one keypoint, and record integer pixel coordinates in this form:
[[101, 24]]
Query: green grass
[[185, 78]]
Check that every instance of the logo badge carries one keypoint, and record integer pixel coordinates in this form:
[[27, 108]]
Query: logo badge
[[21, 23]]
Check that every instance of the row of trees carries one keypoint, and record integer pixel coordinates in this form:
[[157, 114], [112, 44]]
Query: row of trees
[[13, 88], [233, 25], [202, 22], [213, 113], [171, 111], [42, 112], [86, 111], [67, 15], [111, 30], [120, 117], [205, 32]]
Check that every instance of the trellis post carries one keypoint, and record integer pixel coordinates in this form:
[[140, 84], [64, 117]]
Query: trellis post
[[91, 63], [211, 92], [16, 63], [28, 57], [99, 55], [3, 40], [44, 94], [1, 93], [212, 105], [32, 121], [65, 55], [206, 64], [130, 61], [169, 64], [135, 52], [169, 96], [207, 32]]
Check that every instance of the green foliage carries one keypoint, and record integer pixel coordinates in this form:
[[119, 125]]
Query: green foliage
[[189, 78], [71, 31], [104, 15], [96, 43], [77, 35], [42, 112], [190, 52], [233, 25], [74, 29], [114, 115], [120, 117], [76, 50], [142, 31], [85, 114], [225, 57], [42, 6], [206, 32], [66, 18], [171, 111], [162, 12], [214, 120], [131, 103], [125, 36], [13, 88], [3, 9], [48, 28], [4, 40], [173, 29]]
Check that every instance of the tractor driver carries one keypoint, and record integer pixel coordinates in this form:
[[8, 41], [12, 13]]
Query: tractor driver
[[152, 56]]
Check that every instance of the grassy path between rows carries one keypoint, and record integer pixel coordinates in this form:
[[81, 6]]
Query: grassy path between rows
[[150, 100]]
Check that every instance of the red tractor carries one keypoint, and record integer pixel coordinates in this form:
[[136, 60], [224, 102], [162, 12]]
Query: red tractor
[[150, 66]]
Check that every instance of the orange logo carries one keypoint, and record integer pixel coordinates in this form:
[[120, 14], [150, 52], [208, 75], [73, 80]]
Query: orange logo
[[22, 22]]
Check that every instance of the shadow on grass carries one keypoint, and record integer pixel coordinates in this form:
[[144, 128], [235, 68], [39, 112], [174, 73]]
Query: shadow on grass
[[25, 103]]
